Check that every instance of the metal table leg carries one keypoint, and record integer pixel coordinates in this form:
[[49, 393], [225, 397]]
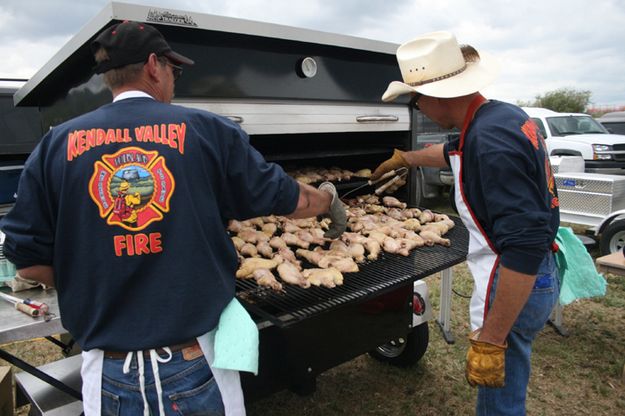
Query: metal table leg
[[444, 317], [555, 320]]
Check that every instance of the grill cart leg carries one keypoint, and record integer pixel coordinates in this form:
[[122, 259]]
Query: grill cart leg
[[555, 320], [444, 317]]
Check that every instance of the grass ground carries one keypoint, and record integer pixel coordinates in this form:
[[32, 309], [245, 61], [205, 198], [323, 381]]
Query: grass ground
[[582, 374]]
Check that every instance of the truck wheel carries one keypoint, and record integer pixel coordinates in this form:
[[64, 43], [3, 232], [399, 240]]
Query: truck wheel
[[404, 351], [613, 238]]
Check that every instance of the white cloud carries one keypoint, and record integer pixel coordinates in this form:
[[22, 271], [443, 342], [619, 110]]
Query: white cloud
[[541, 45]]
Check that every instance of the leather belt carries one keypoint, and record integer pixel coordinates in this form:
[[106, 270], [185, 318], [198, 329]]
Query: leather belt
[[118, 355]]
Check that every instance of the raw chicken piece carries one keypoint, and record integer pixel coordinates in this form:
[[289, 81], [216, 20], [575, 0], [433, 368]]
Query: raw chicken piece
[[412, 224], [257, 222], [396, 214], [265, 249], [431, 238], [390, 231], [352, 238], [374, 209], [289, 273], [235, 226], [312, 257], [277, 243], [378, 236], [289, 227], [246, 270], [288, 255], [269, 228], [338, 245], [305, 222], [357, 251], [324, 277], [238, 242], [305, 235], [439, 228], [363, 173], [249, 250], [426, 216], [390, 201], [318, 237], [252, 236], [342, 264], [373, 247], [391, 245], [293, 240], [264, 277]]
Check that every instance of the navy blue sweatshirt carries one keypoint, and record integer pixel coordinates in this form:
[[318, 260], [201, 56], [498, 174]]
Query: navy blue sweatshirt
[[129, 205], [509, 185]]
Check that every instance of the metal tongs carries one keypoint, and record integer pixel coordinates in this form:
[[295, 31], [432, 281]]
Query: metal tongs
[[391, 178]]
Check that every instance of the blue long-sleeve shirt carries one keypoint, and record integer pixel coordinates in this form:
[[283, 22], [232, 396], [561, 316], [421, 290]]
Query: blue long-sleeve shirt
[[509, 185], [129, 205]]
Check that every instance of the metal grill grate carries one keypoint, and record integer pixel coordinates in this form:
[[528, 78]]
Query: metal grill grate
[[374, 278]]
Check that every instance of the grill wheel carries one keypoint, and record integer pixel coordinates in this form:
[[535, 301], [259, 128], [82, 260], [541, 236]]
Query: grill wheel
[[404, 351]]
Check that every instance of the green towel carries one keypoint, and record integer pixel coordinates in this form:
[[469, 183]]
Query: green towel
[[236, 340], [578, 274]]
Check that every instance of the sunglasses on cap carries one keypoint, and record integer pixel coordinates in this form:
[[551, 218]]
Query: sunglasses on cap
[[176, 70]]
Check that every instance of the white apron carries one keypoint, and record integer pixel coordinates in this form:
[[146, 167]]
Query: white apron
[[230, 347], [482, 257]]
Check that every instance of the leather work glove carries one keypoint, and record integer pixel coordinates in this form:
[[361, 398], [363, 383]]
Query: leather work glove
[[485, 362], [338, 215], [395, 162]]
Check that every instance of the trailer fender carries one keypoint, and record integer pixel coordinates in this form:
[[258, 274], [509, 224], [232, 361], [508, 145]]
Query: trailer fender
[[614, 216]]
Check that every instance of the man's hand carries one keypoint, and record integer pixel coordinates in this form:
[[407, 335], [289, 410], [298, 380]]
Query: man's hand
[[338, 216], [395, 162], [485, 362]]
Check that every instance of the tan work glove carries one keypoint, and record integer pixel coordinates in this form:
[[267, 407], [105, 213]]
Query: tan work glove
[[338, 214], [486, 362], [395, 162]]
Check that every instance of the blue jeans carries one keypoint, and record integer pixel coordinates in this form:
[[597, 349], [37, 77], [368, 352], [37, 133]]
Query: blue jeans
[[510, 399], [188, 388]]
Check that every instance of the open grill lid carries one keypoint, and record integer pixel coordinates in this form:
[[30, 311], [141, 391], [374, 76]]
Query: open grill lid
[[374, 278]]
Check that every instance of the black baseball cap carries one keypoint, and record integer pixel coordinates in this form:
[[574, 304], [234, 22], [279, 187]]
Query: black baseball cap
[[130, 43]]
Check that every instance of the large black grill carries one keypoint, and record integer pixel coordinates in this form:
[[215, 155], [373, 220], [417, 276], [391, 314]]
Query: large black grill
[[374, 278]]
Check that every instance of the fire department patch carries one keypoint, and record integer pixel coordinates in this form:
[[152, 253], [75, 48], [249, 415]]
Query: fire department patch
[[530, 129], [132, 188]]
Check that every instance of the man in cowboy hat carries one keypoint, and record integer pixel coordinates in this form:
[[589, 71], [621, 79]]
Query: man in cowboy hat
[[506, 197]]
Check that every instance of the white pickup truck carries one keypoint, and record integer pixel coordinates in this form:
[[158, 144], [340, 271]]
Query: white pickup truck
[[575, 134]]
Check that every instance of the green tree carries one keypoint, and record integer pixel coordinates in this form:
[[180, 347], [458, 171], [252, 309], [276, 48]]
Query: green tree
[[564, 100]]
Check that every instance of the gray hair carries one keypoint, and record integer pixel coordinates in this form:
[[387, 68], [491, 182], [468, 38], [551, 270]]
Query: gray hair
[[118, 77]]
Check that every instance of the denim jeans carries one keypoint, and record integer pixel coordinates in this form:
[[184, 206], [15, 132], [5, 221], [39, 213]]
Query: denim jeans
[[510, 399], [188, 388]]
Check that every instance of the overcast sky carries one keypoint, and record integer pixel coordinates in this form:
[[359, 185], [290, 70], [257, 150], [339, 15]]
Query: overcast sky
[[541, 45]]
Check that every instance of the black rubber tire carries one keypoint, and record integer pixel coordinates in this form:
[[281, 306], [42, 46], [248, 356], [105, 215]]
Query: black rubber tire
[[613, 238], [403, 352]]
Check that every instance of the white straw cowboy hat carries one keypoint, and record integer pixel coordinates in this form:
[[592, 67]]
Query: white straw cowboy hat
[[433, 65]]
